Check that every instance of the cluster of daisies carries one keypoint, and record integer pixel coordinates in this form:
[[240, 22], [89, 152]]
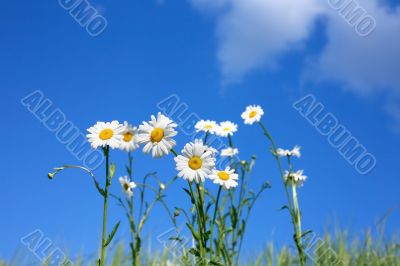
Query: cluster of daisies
[[297, 177], [196, 161], [156, 136]]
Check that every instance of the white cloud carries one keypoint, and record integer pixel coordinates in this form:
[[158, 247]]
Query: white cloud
[[365, 64], [253, 33], [368, 66]]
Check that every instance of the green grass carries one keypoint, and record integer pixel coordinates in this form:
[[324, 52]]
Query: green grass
[[338, 249]]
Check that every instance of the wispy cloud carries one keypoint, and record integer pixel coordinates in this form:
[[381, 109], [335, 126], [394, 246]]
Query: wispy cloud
[[367, 66], [252, 33]]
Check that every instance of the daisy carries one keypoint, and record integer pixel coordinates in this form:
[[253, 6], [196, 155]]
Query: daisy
[[226, 128], [227, 178], [282, 153], [212, 150], [297, 177], [229, 152], [105, 134], [156, 135], [128, 142], [127, 186], [206, 126], [252, 114], [196, 162], [294, 152]]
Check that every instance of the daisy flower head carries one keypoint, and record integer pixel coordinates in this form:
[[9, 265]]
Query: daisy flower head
[[206, 126], [297, 177], [104, 134], [226, 128], [229, 152], [156, 135], [226, 178], [252, 114], [295, 152], [127, 186], [282, 153], [128, 142], [196, 162], [213, 150]]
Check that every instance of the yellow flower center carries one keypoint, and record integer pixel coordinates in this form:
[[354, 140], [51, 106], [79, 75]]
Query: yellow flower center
[[126, 186], [226, 129], [208, 127], [195, 163], [252, 114], [223, 175], [106, 134], [128, 137], [157, 134]]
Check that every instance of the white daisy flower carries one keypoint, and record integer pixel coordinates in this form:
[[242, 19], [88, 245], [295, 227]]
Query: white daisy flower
[[226, 128], [252, 114], [297, 177], [156, 135], [196, 161], [294, 152], [227, 178], [206, 126], [129, 142], [282, 153], [127, 186], [105, 133], [229, 152], [212, 150]]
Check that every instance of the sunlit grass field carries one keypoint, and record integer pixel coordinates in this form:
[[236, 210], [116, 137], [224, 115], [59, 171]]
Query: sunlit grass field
[[332, 249]]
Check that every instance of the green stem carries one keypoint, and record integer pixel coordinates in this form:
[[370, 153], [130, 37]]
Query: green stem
[[292, 210], [134, 235], [213, 221], [130, 167], [221, 238], [174, 152], [200, 192], [205, 138], [246, 219], [105, 204], [298, 224], [232, 147], [199, 220], [266, 133], [232, 200], [245, 175], [296, 206]]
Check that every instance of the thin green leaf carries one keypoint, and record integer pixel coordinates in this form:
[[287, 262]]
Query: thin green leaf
[[306, 233], [111, 235], [212, 262], [284, 207], [101, 191], [194, 232], [194, 252]]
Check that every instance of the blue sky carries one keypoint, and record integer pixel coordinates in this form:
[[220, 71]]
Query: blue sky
[[218, 57]]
